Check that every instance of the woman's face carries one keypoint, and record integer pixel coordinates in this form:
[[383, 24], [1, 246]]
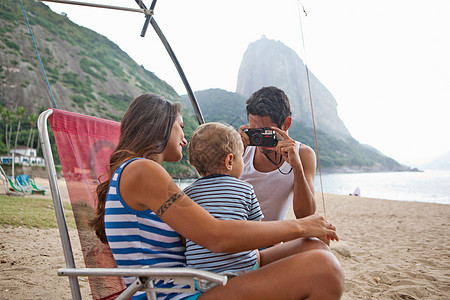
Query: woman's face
[[173, 151]]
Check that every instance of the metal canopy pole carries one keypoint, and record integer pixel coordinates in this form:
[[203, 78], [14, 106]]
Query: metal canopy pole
[[198, 112], [147, 17], [151, 19], [98, 5]]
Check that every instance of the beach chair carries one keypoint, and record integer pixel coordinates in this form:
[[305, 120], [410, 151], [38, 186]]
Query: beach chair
[[27, 185], [14, 186], [84, 146], [23, 181], [36, 189], [11, 189], [3, 179]]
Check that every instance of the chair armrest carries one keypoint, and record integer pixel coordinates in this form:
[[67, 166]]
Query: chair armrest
[[145, 272], [145, 276]]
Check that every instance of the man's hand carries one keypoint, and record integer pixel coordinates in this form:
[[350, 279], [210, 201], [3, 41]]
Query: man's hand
[[244, 137], [287, 149]]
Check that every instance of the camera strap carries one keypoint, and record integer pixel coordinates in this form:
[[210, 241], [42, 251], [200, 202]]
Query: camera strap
[[276, 164]]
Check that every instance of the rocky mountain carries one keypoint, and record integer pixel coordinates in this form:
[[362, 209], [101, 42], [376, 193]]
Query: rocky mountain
[[87, 72], [267, 62], [336, 154], [440, 163]]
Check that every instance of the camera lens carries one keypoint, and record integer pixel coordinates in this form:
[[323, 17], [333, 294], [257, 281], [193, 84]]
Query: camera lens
[[256, 139]]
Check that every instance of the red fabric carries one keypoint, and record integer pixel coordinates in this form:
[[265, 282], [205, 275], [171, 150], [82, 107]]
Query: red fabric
[[85, 145]]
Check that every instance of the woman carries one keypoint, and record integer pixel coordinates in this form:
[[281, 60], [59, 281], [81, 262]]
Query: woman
[[141, 213]]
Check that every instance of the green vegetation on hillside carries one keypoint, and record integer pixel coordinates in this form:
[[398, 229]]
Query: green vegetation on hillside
[[89, 67], [91, 74]]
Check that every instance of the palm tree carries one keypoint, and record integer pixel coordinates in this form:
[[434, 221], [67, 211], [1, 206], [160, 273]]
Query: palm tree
[[20, 111], [32, 119], [6, 115], [12, 119], [2, 110]]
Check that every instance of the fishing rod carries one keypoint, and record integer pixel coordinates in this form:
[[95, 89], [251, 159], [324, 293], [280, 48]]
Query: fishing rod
[[311, 102]]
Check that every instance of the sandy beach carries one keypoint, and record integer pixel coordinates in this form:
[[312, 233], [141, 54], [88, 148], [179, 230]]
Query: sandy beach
[[388, 250]]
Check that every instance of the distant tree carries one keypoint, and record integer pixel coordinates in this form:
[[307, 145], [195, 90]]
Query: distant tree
[[20, 112], [7, 117], [11, 122], [32, 119], [2, 109], [2, 123]]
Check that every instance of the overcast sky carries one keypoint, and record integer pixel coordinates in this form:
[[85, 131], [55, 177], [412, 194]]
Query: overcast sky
[[386, 62]]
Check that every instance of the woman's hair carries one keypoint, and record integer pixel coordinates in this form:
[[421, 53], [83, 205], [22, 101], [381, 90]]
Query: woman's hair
[[269, 101], [210, 144], [144, 132]]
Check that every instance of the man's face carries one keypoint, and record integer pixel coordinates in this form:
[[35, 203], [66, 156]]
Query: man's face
[[261, 122]]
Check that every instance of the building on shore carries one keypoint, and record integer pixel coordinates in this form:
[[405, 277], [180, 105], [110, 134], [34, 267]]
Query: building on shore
[[23, 155]]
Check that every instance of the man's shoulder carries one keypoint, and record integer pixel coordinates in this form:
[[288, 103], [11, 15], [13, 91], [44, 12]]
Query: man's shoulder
[[303, 148]]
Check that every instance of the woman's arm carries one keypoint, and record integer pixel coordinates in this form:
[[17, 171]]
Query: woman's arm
[[145, 184]]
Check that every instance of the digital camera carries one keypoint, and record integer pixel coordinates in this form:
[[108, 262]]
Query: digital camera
[[264, 137]]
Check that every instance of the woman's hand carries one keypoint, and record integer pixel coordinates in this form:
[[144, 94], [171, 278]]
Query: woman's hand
[[316, 226]]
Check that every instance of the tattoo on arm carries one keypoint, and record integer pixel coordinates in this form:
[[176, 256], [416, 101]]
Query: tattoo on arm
[[165, 206]]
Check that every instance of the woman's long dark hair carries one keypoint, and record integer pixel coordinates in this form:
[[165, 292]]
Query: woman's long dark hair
[[144, 132]]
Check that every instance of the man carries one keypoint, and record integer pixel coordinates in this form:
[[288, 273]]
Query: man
[[284, 174]]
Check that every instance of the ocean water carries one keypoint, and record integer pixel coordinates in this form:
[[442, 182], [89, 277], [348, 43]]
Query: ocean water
[[428, 186]]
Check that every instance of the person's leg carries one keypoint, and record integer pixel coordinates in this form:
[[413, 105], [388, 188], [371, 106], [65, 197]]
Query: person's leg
[[280, 251], [314, 274]]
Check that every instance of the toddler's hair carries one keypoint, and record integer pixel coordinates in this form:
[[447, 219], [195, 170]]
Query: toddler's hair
[[210, 144]]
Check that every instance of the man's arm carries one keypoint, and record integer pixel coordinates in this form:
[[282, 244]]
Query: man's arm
[[304, 173], [303, 163]]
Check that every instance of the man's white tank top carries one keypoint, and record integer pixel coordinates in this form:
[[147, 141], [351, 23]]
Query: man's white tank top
[[273, 189]]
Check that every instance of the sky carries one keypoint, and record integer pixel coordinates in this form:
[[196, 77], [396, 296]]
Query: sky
[[386, 62]]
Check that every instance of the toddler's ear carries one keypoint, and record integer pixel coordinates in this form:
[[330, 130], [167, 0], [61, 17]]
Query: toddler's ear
[[229, 161]]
